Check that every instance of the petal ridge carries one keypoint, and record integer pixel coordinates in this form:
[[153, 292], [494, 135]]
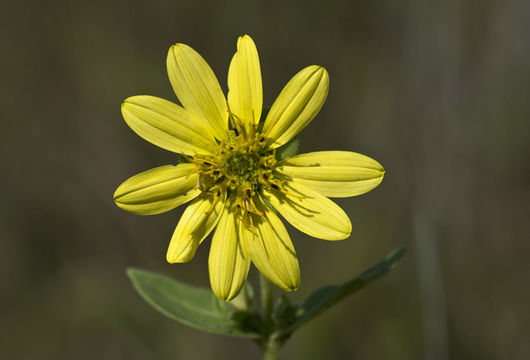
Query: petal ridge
[[245, 95], [310, 212], [333, 173], [158, 190], [166, 125], [298, 103], [197, 87], [195, 224]]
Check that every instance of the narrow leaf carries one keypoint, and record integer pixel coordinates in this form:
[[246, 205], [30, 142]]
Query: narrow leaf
[[192, 306], [325, 297]]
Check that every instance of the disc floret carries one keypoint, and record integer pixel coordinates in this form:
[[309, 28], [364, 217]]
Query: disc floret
[[241, 167]]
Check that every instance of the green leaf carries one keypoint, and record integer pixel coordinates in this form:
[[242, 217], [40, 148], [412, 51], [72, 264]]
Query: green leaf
[[323, 298], [288, 150], [284, 312], [192, 306]]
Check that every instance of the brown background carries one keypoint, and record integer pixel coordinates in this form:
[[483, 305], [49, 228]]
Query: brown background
[[437, 91]]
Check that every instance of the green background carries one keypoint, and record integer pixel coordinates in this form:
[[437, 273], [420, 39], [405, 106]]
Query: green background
[[437, 91]]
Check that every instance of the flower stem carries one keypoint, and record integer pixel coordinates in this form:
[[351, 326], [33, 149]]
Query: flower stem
[[270, 351], [266, 300], [270, 345]]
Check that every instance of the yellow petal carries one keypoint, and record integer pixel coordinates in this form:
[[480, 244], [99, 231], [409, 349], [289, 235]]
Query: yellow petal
[[158, 190], [334, 173], [197, 87], [245, 96], [197, 221], [297, 104], [167, 125], [310, 212], [268, 244], [227, 264]]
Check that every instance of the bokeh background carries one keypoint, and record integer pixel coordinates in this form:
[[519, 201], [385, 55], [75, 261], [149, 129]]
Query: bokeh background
[[437, 91]]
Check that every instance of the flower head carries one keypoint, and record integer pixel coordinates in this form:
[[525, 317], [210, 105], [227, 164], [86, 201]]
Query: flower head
[[231, 173]]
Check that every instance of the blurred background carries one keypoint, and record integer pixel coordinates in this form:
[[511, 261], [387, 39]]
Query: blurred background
[[437, 91]]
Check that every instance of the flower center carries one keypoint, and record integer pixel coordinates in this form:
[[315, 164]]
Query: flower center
[[241, 167]]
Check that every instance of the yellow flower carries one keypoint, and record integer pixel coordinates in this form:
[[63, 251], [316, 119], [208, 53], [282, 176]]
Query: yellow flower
[[231, 173]]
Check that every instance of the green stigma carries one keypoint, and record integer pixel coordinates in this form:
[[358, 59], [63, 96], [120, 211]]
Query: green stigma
[[243, 166]]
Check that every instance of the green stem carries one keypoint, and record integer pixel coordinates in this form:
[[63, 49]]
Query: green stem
[[270, 345], [266, 300], [270, 350]]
